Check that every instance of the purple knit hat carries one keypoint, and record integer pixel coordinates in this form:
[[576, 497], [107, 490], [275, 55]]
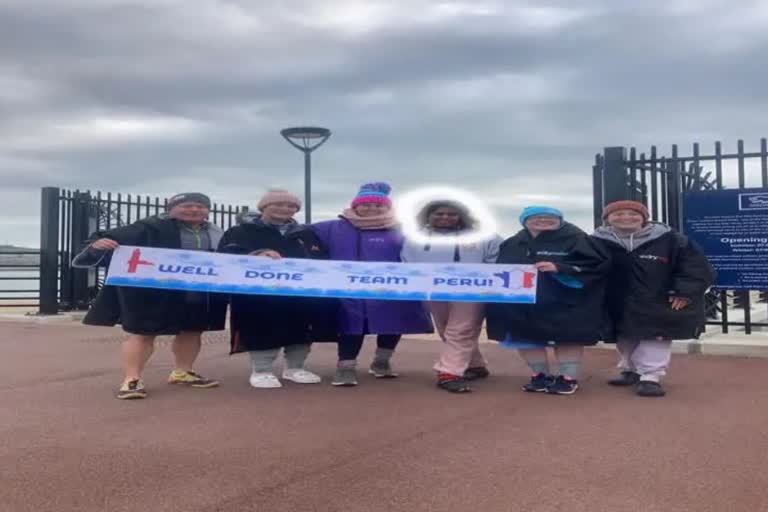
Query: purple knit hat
[[377, 192]]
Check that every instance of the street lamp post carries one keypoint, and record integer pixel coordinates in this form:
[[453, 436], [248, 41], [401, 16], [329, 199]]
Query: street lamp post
[[306, 139]]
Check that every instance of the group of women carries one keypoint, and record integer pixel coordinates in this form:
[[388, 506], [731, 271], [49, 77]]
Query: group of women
[[633, 282]]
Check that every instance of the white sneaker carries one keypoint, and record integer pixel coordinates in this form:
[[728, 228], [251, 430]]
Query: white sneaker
[[301, 376], [264, 380]]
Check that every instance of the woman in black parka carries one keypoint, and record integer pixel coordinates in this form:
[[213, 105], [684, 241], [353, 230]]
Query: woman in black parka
[[262, 325], [568, 313], [655, 292]]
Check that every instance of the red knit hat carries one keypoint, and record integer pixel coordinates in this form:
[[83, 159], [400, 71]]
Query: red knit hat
[[626, 205]]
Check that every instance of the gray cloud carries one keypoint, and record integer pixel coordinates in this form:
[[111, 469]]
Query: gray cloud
[[508, 99]]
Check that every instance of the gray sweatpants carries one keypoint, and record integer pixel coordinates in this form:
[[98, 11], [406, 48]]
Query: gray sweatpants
[[295, 355], [649, 358]]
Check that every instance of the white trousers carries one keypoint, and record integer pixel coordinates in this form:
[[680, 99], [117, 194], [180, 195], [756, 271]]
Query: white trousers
[[649, 358]]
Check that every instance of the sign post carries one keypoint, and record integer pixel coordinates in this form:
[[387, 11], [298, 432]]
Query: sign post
[[732, 228]]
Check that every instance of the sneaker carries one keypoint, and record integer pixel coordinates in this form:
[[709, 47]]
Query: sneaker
[[382, 370], [539, 383], [650, 388], [563, 386], [625, 379], [191, 379], [345, 377], [264, 380], [301, 376], [478, 372], [453, 383], [132, 390]]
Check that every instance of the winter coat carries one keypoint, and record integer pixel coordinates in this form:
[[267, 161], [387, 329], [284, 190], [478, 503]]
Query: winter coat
[[568, 308], [262, 322], [647, 271], [358, 316], [150, 311], [485, 251]]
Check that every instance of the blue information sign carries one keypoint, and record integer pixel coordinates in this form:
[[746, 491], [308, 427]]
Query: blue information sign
[[732, 228]]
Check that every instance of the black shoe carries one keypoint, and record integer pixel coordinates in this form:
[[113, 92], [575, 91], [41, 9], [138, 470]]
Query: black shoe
[[539, 383], [478, 372], [649, 388], [563, 386], [454, 385], [625, 379]]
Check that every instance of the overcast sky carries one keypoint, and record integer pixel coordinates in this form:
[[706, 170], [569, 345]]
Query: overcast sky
[[508, 99]]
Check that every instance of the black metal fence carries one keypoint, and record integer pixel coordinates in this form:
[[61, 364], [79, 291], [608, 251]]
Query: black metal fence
[[68, 217], [19, 278], [660, 181]]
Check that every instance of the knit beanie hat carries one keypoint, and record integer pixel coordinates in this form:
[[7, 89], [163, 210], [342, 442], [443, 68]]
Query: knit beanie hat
[[188, 197], [626, 205], [377, 192], [278, 195], [530, 211]]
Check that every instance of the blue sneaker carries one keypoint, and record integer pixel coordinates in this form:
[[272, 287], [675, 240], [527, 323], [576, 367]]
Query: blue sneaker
[[539, 383], [563, 386]]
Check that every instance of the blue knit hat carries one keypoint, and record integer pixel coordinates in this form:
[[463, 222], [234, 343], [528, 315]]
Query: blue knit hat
[[530, 211], [377, 192]]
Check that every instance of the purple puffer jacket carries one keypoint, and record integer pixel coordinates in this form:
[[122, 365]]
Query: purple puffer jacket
[[345, 242]]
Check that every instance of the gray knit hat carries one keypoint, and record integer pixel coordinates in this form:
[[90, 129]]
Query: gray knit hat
[[189, 197]]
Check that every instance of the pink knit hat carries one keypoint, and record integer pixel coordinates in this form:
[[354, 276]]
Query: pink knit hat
[[278, 195], [376, 192]]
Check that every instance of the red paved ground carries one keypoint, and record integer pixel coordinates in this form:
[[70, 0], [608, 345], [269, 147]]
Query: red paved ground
[[67, 445]]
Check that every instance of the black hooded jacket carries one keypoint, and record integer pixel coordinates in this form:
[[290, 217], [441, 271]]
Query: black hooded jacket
[[262, 322], [569, 302], [150, 311], [661, 265]]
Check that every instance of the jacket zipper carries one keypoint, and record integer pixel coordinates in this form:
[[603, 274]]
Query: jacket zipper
[[199, 242], [359, 258], [456, 254], [198, 238]]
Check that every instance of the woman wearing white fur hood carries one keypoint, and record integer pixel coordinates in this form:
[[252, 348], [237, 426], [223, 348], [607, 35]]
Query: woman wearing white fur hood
[[458, 323]]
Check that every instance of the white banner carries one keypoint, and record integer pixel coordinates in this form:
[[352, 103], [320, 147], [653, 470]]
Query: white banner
[[228, 273]]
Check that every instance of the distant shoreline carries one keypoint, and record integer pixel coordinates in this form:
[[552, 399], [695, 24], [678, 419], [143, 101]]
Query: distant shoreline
[[19, 260], [9, 256]]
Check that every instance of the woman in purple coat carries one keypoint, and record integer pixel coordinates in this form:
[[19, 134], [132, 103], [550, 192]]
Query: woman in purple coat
[[367, 232]]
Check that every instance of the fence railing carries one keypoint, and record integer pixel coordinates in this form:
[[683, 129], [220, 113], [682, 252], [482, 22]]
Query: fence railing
[[19, 279], [68, 217]]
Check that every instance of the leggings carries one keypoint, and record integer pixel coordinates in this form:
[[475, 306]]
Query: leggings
[[350, 344]]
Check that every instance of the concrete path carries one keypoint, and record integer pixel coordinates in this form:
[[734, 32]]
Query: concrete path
[[67, 445]]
